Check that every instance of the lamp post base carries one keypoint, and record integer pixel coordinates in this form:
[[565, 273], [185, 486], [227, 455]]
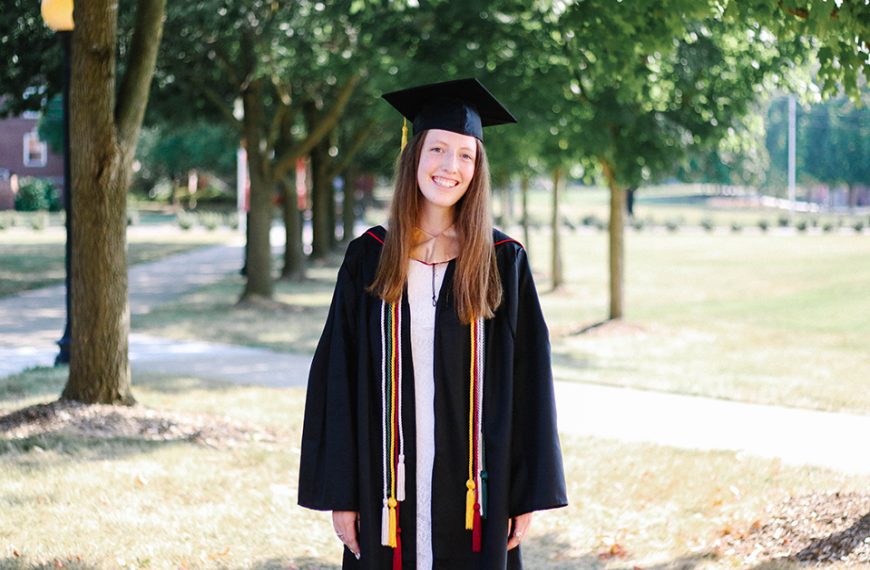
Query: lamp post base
[[62, 357]]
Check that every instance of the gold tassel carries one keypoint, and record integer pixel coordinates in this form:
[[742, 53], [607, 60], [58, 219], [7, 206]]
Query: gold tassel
[[469, 505], [392, 504], [404, 133], [385, 525]]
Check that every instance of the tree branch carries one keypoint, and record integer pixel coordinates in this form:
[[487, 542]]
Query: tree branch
[[135, 86], [325, 123], [355, 145], [221, 106]]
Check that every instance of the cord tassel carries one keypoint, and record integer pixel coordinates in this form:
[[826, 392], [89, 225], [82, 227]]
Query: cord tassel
[[397, 551], [400, 479], [475, 533], [385, 524], [392, 519], [469, 505], [483, 478], [404, 133]]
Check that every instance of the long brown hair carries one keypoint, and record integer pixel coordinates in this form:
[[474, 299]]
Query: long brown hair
[[476, 285]]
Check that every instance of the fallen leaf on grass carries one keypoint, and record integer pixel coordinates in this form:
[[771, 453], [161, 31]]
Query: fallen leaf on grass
[[221, 554], [615, 551]]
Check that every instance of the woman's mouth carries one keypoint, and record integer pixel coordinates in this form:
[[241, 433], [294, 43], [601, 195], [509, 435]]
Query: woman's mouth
[[444, 182]]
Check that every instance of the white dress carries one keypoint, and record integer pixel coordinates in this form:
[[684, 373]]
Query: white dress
[[420, 291]]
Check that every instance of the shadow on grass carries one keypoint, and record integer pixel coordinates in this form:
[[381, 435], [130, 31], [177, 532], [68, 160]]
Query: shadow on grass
[[31, 383], [70, 447], [172, 383]]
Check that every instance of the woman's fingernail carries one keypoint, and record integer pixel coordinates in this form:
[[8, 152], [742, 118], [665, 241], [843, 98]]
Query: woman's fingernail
[[356, 554]]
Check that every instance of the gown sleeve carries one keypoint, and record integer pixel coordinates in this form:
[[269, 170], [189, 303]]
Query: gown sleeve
[[537, 478], [328, 463]]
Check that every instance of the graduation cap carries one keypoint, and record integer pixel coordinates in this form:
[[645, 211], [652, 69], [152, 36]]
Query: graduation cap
[[462, 106]]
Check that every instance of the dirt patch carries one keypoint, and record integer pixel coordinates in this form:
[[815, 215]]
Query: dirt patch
[[815, 528], [122, 422]]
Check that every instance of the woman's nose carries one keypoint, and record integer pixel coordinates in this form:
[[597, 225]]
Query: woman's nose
[[450, 161]]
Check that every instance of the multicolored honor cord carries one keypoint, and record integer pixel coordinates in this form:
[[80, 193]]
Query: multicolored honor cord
[[393, 438]]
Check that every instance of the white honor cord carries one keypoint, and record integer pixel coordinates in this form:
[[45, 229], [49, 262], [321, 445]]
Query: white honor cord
[[384, 394]]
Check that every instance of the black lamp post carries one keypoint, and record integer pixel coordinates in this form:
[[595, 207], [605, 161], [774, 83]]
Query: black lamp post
[[58, 15]]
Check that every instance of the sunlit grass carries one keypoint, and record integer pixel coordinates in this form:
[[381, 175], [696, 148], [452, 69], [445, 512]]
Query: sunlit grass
[[760, 318], [31, 259], [90, 503]]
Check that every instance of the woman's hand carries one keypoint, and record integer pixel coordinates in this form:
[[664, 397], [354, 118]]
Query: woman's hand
[[517, 529], [345, 525]]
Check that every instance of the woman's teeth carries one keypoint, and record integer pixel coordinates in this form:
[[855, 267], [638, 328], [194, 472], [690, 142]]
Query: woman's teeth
[[444, 182]]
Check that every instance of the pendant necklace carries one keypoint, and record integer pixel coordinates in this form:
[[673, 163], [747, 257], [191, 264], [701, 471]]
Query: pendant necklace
[[434, 300]]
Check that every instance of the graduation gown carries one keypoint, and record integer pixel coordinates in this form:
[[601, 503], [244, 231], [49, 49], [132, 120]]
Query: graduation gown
[[341, 458]]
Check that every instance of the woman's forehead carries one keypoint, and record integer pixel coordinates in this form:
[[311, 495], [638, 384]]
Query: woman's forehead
[[450, 138]]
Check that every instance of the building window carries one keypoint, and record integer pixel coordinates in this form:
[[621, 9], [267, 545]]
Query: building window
[[35, 151]]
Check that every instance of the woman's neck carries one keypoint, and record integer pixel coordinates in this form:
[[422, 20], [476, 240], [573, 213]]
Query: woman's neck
[[434, 221]]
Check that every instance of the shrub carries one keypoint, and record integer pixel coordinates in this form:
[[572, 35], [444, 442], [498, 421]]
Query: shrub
[[858, 226], [708, 224], [736, 227], [33, 195], [185, 220], [132, 217], [828, 227], [783, 221], [233, 221], [209, 220], [5, 221], [39, 221], [591, 220], [801, 225], [672, 225], [763, 225], [637, 224]]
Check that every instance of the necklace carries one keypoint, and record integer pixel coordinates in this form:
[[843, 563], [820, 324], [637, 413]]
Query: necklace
[[434, 299]]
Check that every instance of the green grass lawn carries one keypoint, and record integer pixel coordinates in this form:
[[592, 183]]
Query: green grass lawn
[[759, 318], [33, 259], [94, 502]]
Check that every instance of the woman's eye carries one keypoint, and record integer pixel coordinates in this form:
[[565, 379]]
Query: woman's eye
[[467, 157], [435, 149]]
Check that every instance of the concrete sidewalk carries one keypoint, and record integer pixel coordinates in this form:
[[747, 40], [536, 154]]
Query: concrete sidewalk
[[31, 322]]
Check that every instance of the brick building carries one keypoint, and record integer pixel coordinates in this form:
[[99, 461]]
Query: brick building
[[22, 154]]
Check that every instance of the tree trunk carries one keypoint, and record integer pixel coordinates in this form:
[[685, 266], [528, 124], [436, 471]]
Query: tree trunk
[[348, 207], [617, 241], [558, 277], [106, 136], [321, 242], [294, 257], [524, 189], [258, 260]]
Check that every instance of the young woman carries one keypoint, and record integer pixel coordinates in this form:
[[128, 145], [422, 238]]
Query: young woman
[[430, 427]]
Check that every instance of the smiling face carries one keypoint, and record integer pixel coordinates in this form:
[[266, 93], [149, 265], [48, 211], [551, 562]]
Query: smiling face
[[446, 168]]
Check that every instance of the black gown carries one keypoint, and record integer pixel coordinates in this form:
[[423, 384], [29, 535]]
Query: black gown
[[341, 465]]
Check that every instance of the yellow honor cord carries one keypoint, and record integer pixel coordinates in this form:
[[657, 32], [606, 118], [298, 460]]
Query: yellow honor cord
[[469, 496], [404, 133]]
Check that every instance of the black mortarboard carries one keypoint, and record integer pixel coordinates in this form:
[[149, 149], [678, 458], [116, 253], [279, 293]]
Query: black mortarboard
[[462, 106]]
